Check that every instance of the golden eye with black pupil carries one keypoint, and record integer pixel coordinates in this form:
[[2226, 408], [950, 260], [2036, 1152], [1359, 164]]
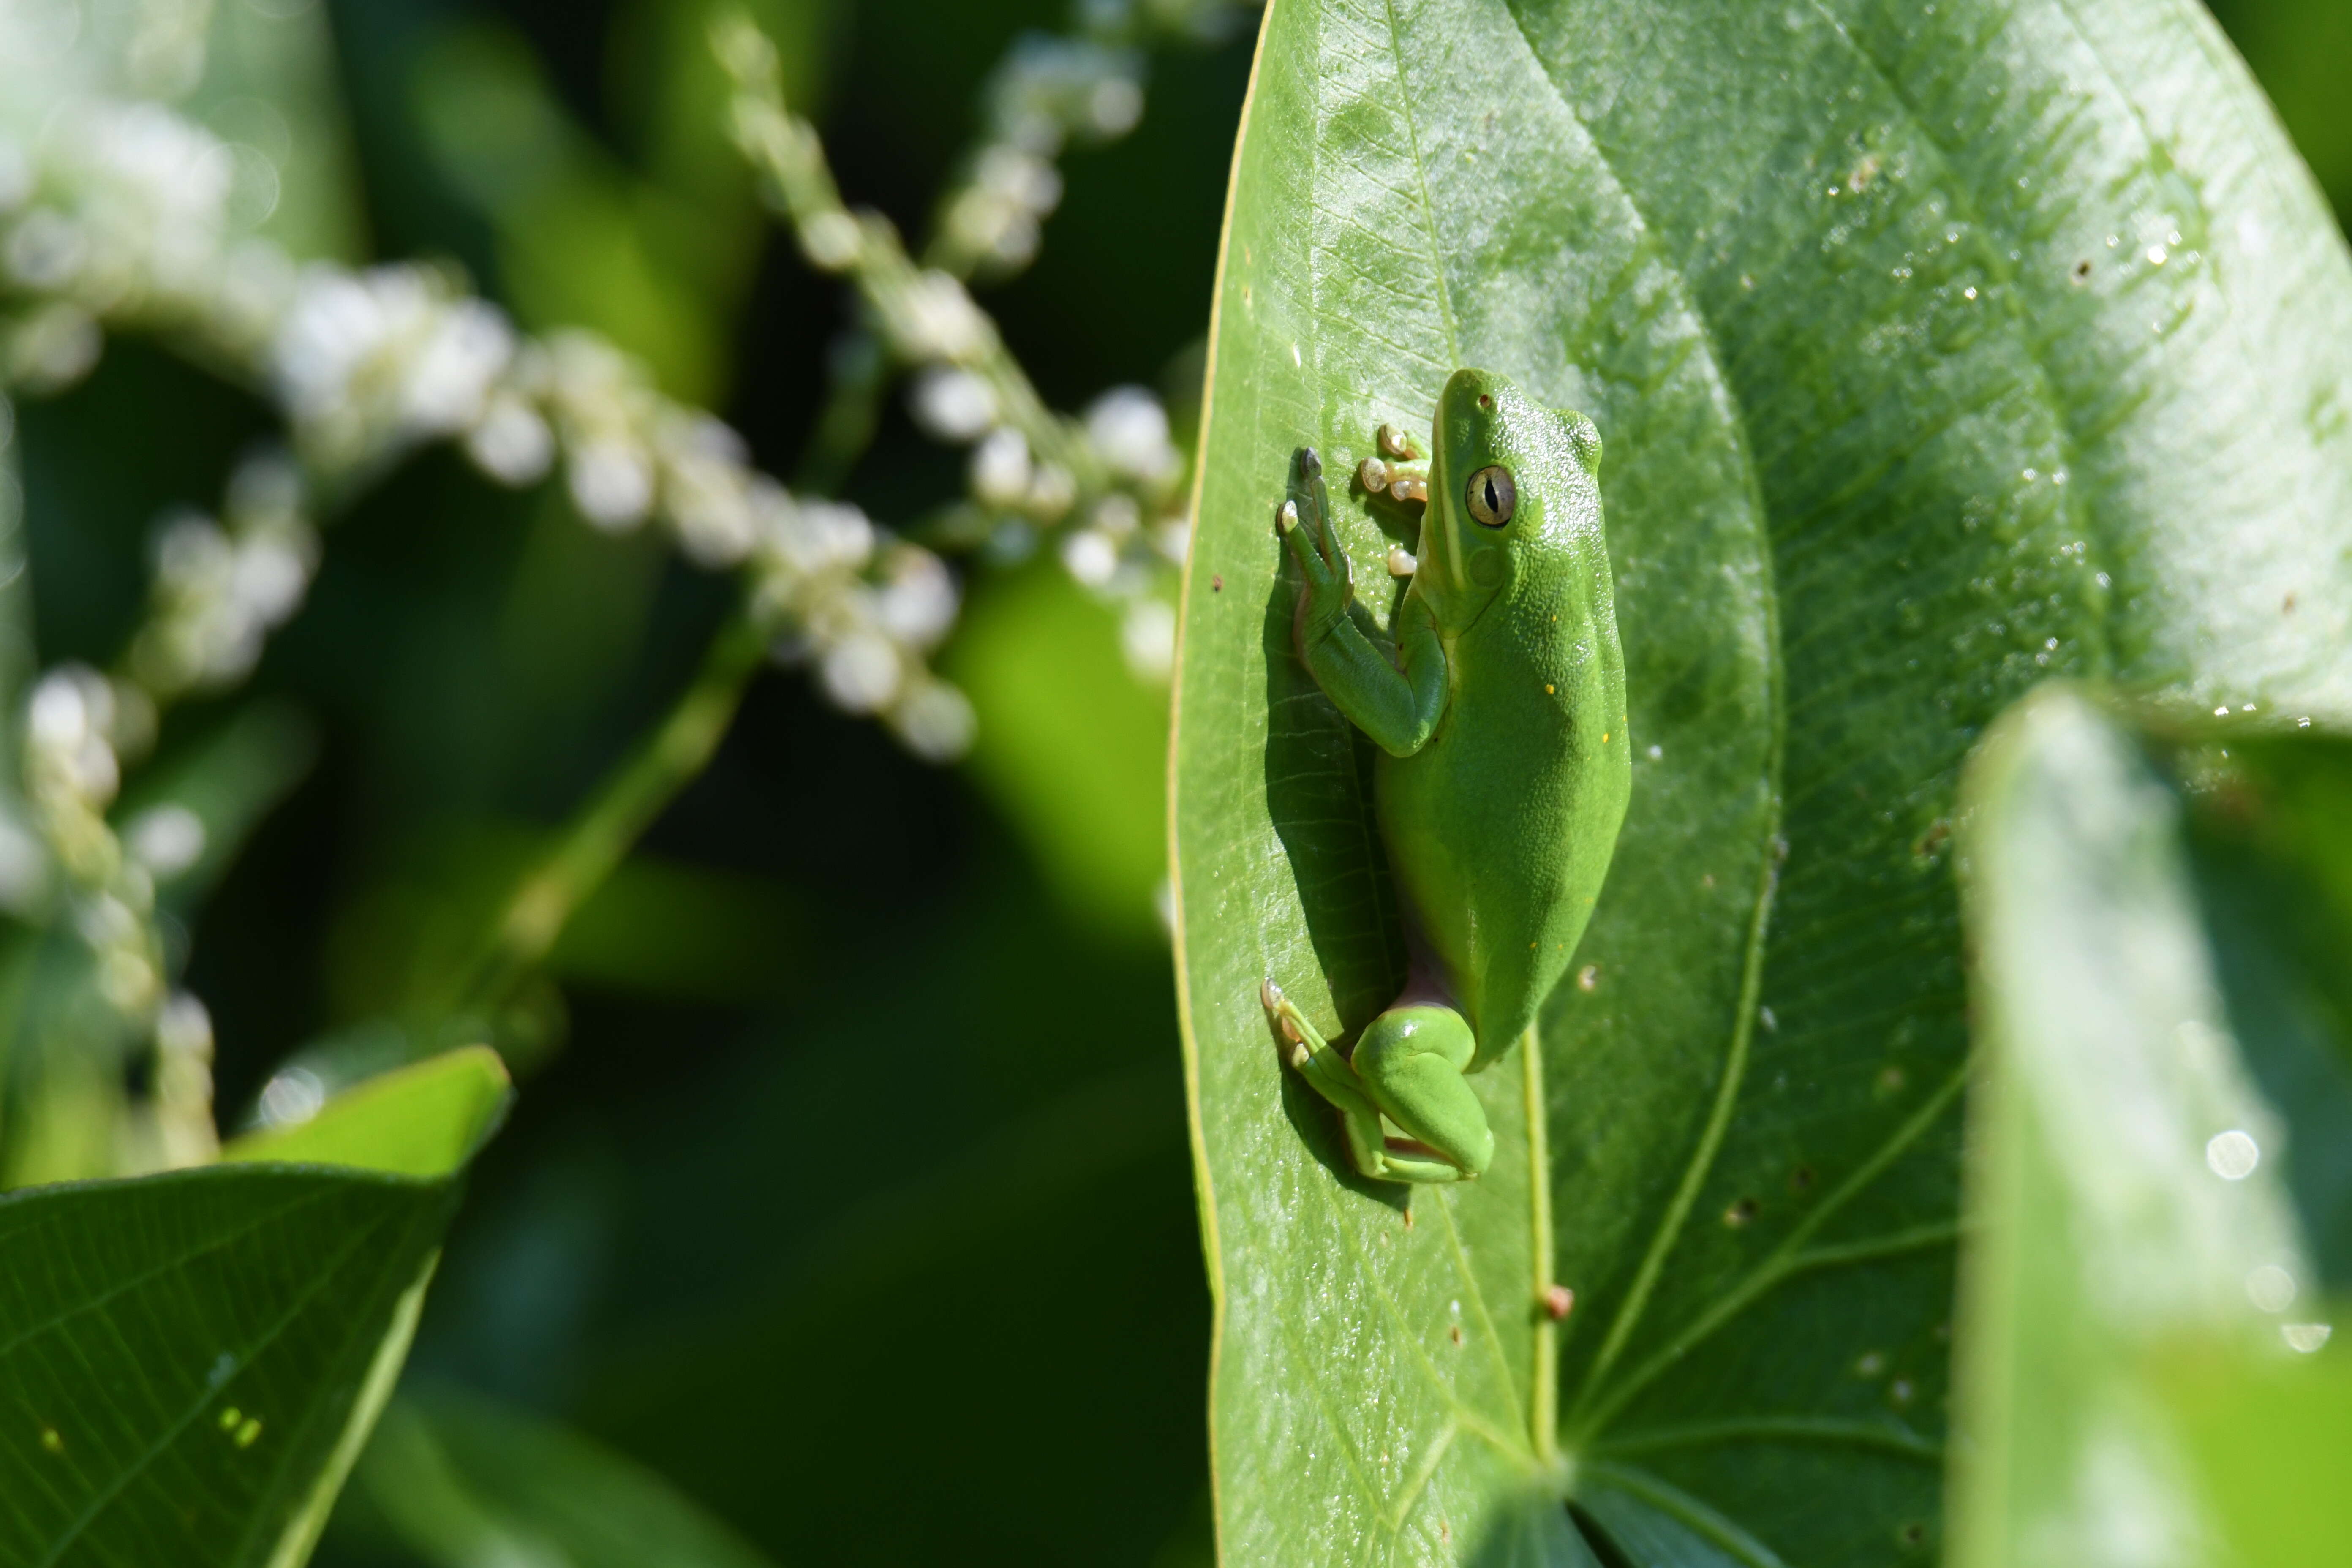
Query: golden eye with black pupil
[[1492, 496]]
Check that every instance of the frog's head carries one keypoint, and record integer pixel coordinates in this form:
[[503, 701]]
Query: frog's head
[[1511, 483]]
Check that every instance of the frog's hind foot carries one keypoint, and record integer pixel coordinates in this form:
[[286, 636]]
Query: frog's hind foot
[[1297, 1032]]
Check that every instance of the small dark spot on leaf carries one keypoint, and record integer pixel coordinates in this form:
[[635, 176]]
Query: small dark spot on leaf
[[2082, 269], [1455, 1333], [1913, 1535], [1216, 585], [1557, 1301], [1801, 1178], [1740, 1213], [2286, 606]]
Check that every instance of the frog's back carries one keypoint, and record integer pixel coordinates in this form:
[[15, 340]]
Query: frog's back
[[1524, 784]]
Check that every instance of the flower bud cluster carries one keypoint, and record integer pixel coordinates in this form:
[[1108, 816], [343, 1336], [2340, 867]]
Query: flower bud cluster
[[125, 220], [862, 608], [78, 727], [365, 363], [1049, 93], [125, 214], [1113, 480], [220, 588]]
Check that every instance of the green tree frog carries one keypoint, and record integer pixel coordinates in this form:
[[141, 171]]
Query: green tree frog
[[1503, 765]]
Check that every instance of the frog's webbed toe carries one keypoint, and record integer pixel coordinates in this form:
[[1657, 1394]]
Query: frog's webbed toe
[[1395, 471]]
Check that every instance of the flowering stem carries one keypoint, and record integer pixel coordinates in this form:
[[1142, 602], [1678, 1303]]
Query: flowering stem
[[17, 656], [922, 313], [600, 836], [853, 407]]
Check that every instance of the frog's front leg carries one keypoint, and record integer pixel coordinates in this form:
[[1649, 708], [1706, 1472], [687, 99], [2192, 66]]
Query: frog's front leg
[[1408, 1067], [1395, 691]]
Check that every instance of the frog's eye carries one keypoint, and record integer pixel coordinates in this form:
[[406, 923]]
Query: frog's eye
[[1492, 496]]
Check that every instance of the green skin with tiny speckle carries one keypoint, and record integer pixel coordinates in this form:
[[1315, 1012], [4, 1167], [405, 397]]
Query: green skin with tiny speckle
[[1504, 767]]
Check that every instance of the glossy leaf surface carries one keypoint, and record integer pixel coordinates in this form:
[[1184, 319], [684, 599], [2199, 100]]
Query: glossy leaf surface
[[189, 1362], [2149, 1368], [1936, 352]]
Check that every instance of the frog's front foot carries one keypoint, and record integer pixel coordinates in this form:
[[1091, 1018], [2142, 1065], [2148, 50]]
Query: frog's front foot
[[1408, 1069], [1396, 471]]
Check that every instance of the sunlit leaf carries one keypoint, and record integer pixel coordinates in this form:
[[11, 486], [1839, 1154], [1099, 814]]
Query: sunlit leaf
[[1935, 350], [424, 1120], [1073, 745], [190, 1362], [2148, 1368]]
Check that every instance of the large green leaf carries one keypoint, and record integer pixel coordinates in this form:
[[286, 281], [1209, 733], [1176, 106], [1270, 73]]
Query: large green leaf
[[2148, 1372], [189, 1362], [1935, 349]]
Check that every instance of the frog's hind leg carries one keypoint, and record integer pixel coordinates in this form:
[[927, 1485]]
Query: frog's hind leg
[[1410, 1061], [1409, 1066], [1327, 1072]]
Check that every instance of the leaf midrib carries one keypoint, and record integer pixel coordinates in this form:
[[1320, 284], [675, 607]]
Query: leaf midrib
[[1595, 1401]]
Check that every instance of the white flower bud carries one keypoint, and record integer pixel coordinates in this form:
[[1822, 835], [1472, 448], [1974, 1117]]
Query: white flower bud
[[167, 839], [53, 347], [1090, 556], [916, 602], [292, 1096], [510, 442], [1118, 515], [1130, 429], [46, 250], [611, 483], [1051, 491], [466, 347], [269, 578], [831, 240], [1114, 107], [861, 672], [999, 467], [935, 720], [1147, 637], [953, 404], [182, 1027], [939, 320]]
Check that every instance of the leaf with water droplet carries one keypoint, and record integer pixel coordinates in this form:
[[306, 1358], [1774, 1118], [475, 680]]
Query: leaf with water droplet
[[2160, 917], [1815, 511], [196, 1357]]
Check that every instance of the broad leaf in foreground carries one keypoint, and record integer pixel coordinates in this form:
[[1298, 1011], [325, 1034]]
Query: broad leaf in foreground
[[189, 1362], [1936, 352], [2149, 1374]]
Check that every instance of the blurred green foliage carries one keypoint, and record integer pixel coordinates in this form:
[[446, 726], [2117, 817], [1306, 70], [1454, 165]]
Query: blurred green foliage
[[853, 1196], [852, 1199]]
